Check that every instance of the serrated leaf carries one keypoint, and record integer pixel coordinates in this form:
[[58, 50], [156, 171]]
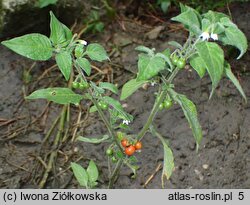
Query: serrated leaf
[[92, 172], [198, 65], [64, 62], [118, 107], [190, 19], [93, 140], [130, 87], [57, 95], [109, 86], [57, 33], [84, 64], [96, 52], [80, 174], [235, 37], [145, 49], [213, 57], [234, 80], [149, 67], [34, 46], [190, 113]]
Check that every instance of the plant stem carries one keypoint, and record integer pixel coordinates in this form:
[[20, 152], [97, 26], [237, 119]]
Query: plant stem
[[156, 106], [151, 116], [53, 154], [102, 116], [115, 173], [106, 122]]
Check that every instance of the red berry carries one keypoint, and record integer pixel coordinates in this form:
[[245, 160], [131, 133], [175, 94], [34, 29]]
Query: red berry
[[138, 145], [124, 142], [130, 150]]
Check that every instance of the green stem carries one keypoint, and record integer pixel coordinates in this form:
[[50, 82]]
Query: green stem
[[152, 115], [115, 173], [106, 122], [156, 106]]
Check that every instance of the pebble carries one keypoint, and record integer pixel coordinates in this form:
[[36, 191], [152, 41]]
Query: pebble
[[205, 166]]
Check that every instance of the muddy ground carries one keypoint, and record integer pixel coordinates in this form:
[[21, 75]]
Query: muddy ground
[[223, 160]]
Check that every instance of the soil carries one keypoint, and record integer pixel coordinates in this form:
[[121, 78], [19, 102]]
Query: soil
[[223, 160]]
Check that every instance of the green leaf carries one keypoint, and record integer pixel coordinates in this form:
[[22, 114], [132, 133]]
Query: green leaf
[[64, 62], [93, 109], [213, 59], [214, 16], [94, 140], [84, 64], [109, 86], [190, 113], [57, 95], [34, 46], [235, 37], [92, 172], [198, 65], [57, 33], [165, 57], [205, 24], [44, 3], [226, 21], [234, 80], [168, 164], [80, 174], [145, 49], [190, 19], [68, 33], [149, 66], [97, 90], [118, 107], [130, 87], [96, 52], [175, 44], [165, 5], [79, 51]]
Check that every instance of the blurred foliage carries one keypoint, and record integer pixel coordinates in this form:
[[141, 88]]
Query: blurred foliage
[[44, 3], [205, 5], [93, 22]]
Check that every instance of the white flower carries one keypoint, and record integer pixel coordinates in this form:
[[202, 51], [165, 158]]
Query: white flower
[[153, 83], [204, 36], [125, 122], [83, 42], [214, 36]]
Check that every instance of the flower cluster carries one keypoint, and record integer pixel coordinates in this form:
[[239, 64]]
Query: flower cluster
[[205, 36]]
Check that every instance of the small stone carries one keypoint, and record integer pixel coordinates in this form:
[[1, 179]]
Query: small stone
[[205, 166], [75, 149]]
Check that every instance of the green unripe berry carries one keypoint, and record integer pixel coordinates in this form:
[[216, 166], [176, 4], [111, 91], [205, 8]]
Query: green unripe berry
[[75, 84], [181, 63], [113, 159], [168, 104], [161, 106], [83, 85], [109, 152]]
